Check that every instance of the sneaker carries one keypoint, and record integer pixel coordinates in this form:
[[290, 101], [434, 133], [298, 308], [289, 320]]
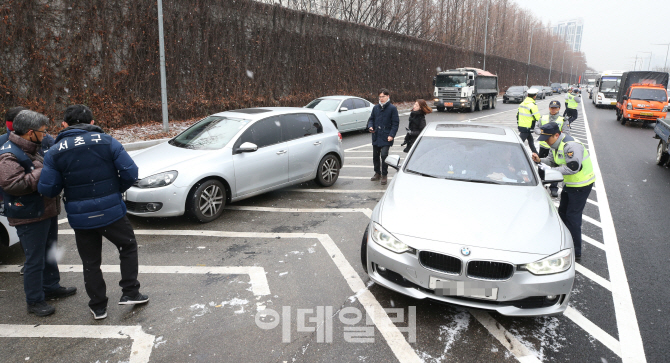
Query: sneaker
[[99, 313], [132, 300], [23, 269], [375, 177], [60, 292], [41, 309], [384, 179]]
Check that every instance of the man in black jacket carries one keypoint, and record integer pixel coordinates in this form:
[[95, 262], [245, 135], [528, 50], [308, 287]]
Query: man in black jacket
[[383, 124]]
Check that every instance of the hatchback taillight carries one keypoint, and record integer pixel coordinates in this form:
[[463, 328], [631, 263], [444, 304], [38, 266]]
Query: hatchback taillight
[[339, 135]]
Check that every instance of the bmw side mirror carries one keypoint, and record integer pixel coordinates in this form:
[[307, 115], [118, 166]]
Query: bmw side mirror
[[393, 161], [247, 147], [343, 109], [552, 176]]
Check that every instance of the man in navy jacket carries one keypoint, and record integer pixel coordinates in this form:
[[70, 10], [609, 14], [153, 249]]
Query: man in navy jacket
[[93, 169], [383, 124]]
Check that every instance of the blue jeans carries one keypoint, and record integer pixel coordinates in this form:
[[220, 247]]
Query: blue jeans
[[573, 201], [41, 273]]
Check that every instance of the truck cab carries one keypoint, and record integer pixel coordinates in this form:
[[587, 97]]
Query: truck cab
[[643, 102], [465, 88]]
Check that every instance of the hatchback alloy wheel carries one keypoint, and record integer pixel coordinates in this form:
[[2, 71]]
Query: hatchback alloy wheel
[[211, 201], [329, 170], [206, 202]]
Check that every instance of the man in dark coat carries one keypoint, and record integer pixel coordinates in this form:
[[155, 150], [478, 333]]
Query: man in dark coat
[[34, 216], [94, 169], [383, 124]]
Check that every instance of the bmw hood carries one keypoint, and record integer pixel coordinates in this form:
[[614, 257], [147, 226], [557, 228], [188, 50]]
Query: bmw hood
[[163, 157], [510, 218]]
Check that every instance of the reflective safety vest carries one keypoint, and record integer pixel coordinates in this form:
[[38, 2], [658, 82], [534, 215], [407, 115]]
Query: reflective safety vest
[[572, 104], [584, 176], [545, 120], [528, 112]]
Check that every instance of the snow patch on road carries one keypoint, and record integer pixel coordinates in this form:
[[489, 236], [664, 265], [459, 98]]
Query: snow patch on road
[[449, 334]]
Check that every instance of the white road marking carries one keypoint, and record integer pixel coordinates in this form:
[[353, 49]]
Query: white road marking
[[358, 151], [140, 350], [61, 221], [632, 349], [358, 177], [588, 200], [585, 217], [593, 276], [257, 279], [520, 352], [595, 331], [357, 166], [366, 211], [336, 191], [593, 242]]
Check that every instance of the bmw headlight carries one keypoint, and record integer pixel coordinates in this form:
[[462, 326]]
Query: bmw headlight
[[386, 240], [551, 265], [157, 180]]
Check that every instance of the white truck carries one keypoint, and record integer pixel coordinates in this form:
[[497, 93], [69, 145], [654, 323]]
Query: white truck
[[465, 88], [604, 93]]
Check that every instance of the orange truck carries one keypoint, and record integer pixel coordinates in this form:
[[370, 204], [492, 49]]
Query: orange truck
[[642, 97]]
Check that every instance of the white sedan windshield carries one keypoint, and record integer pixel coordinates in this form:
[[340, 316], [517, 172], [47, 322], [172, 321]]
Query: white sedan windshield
[[471, 160], [324, 105], [210, 133]]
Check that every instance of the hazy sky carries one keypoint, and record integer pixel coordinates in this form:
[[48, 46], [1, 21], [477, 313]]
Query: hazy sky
[[614, 30]]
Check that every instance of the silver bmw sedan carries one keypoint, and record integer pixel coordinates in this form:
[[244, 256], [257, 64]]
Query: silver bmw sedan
[[467, 221], [233, 155]]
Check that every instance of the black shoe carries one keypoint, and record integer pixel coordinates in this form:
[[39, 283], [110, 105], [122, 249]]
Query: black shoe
[[578, 258], [60, 292], [23, 269], [405, 150], [41, 309], [132, 300], [99, 313], [554, 193]]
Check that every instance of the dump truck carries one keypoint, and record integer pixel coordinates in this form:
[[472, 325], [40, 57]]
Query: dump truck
[[642, 97], [465, 88]]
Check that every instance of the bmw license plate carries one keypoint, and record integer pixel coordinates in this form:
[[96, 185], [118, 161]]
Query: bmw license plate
[[449, 104], [475, 289], [646, 114]]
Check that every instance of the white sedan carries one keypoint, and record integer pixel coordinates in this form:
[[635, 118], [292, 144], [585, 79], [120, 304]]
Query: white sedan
[[347, 113], [8, 234]]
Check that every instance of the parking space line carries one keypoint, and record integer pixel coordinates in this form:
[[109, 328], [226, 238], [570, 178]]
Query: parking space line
[[358, 177], [140, 349], [336, 191], [632, 348], [595, 331], [394, 338], [520, 352], [593, 276], [358, 166], [366, 211], [593, 242]]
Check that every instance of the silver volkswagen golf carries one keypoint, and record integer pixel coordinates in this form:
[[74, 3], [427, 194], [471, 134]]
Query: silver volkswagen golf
[[467, 221], [233, 155]]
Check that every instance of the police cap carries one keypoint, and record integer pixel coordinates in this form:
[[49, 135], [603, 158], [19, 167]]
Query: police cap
[[554, 104], [548, 130], [533, 91]]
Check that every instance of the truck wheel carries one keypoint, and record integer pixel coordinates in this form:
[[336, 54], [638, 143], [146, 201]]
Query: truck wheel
[[440, 109], [480, 103], [661, 155], [472, 104], [493, 102]]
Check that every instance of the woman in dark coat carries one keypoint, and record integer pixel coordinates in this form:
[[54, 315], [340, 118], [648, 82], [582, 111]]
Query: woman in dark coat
[[417, 121]]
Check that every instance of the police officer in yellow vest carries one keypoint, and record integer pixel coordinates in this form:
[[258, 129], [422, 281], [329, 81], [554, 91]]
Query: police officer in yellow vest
[[571, 159], [572, 101], [553, 116], [526, 117]]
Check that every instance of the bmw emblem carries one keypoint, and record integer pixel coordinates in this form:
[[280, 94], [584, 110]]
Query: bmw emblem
[[465, 251]]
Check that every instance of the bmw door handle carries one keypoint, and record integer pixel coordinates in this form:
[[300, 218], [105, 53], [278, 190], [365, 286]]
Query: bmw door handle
[[317, 143], [281, 152]]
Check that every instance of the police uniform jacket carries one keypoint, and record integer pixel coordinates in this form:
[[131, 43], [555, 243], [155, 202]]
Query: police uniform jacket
[[93, 169]]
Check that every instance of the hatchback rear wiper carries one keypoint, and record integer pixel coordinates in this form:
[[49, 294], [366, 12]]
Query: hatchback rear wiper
[[422, 174]]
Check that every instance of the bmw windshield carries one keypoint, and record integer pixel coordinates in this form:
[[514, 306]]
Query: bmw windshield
[[469, 160], [324, 104], [210, 133]]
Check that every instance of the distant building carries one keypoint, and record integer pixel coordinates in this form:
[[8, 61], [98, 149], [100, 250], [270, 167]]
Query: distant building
[[571, 32]]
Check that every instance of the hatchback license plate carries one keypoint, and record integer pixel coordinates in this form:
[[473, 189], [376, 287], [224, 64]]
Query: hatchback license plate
[[478, 289], [449, 104]]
